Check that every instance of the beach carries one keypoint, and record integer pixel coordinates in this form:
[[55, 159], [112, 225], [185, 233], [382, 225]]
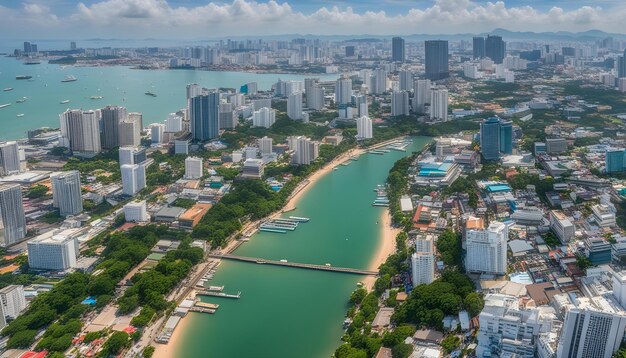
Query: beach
[[386, 246], [168, 350]]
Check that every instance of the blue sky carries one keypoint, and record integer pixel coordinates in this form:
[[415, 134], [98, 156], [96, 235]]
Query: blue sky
[[205, 19]]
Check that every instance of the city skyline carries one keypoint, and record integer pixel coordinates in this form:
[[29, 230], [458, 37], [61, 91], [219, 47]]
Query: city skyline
[[193, 19]]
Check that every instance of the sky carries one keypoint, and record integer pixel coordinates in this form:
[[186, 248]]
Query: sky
[[203, 19]]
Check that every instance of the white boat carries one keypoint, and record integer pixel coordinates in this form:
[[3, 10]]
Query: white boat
[[21, 115], [69, 78], [283, 260], [8, 89], [5, 105], [65, 101], [96, 97]]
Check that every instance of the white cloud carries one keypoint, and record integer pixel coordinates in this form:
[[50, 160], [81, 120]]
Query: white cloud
[[158, 18]]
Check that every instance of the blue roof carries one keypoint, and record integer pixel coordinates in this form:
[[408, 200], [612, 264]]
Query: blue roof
[[89, 301], [496, 188], [434, 169]]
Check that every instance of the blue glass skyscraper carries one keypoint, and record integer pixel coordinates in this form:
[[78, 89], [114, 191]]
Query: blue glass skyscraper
[[614, 161], [506, 137], [204, 116], [490, 138]]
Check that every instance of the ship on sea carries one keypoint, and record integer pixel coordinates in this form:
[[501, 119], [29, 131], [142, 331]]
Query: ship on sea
[[150, 94], [32, 62], [23, 77], [69, 78]]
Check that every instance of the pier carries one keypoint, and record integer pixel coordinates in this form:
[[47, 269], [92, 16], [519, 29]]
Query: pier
[[218, 294], [294, 264]]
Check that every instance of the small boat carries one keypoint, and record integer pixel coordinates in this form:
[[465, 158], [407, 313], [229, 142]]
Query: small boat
[[65, 101], [328, 265], [283, 260], [8, 89], [69, 78], [96, 97], [21, 115], [150, 94], [23, 77], [32, 62], [21, 100], [5, 105]]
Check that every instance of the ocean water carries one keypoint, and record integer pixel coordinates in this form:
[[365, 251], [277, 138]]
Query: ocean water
[[117, 85]]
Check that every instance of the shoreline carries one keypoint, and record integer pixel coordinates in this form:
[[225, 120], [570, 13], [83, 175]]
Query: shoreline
[[386, 246], [385, 243], [168, 350]]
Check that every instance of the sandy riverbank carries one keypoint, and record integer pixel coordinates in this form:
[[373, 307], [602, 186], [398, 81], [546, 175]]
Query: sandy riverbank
[[386, 246], [168, 350]]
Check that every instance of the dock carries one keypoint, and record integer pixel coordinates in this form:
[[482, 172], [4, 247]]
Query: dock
[[212, 306], [294, 264], [201, 310], [218, 294], [299, 219]]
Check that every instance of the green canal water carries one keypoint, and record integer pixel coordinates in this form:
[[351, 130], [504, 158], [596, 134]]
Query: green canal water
[[290, 312], [118, 85]]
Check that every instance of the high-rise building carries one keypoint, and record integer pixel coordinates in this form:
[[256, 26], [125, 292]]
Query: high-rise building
[[130, 133], [204, 116], [264, 117], [156, 133], [294, 106], [132, 155], [112, 116], [379, 81], [490, 138], [193, 90], [487, 249], [364, 127], [9, 158], [397, 49], [343, 91], [510, 329], [361, 105], [173, 123], [422, 92], [306, 151], [73, 45], [13, 300], [228, 119], [506, 137], [66, 193], [592, 330], [136, 211], [12, 218], [423, 262], [57, 252], [615, 161], [436, 59], [133, 178], [349, 51], [265, 145], [495, 48], [81, 130], [400, 103], [315, 98], [406, 80], [621, 66], [478, 49], [193, 168], [439, 104]]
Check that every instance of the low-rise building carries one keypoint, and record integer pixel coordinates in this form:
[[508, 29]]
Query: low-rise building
[[563, 228]]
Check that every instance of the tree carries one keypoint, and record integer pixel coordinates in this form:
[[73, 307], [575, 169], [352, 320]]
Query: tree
[[450, 343], [148, 352], [401, 350], [117, 342], [357, 296], [37, 191], [22, 339], [474, 303]]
